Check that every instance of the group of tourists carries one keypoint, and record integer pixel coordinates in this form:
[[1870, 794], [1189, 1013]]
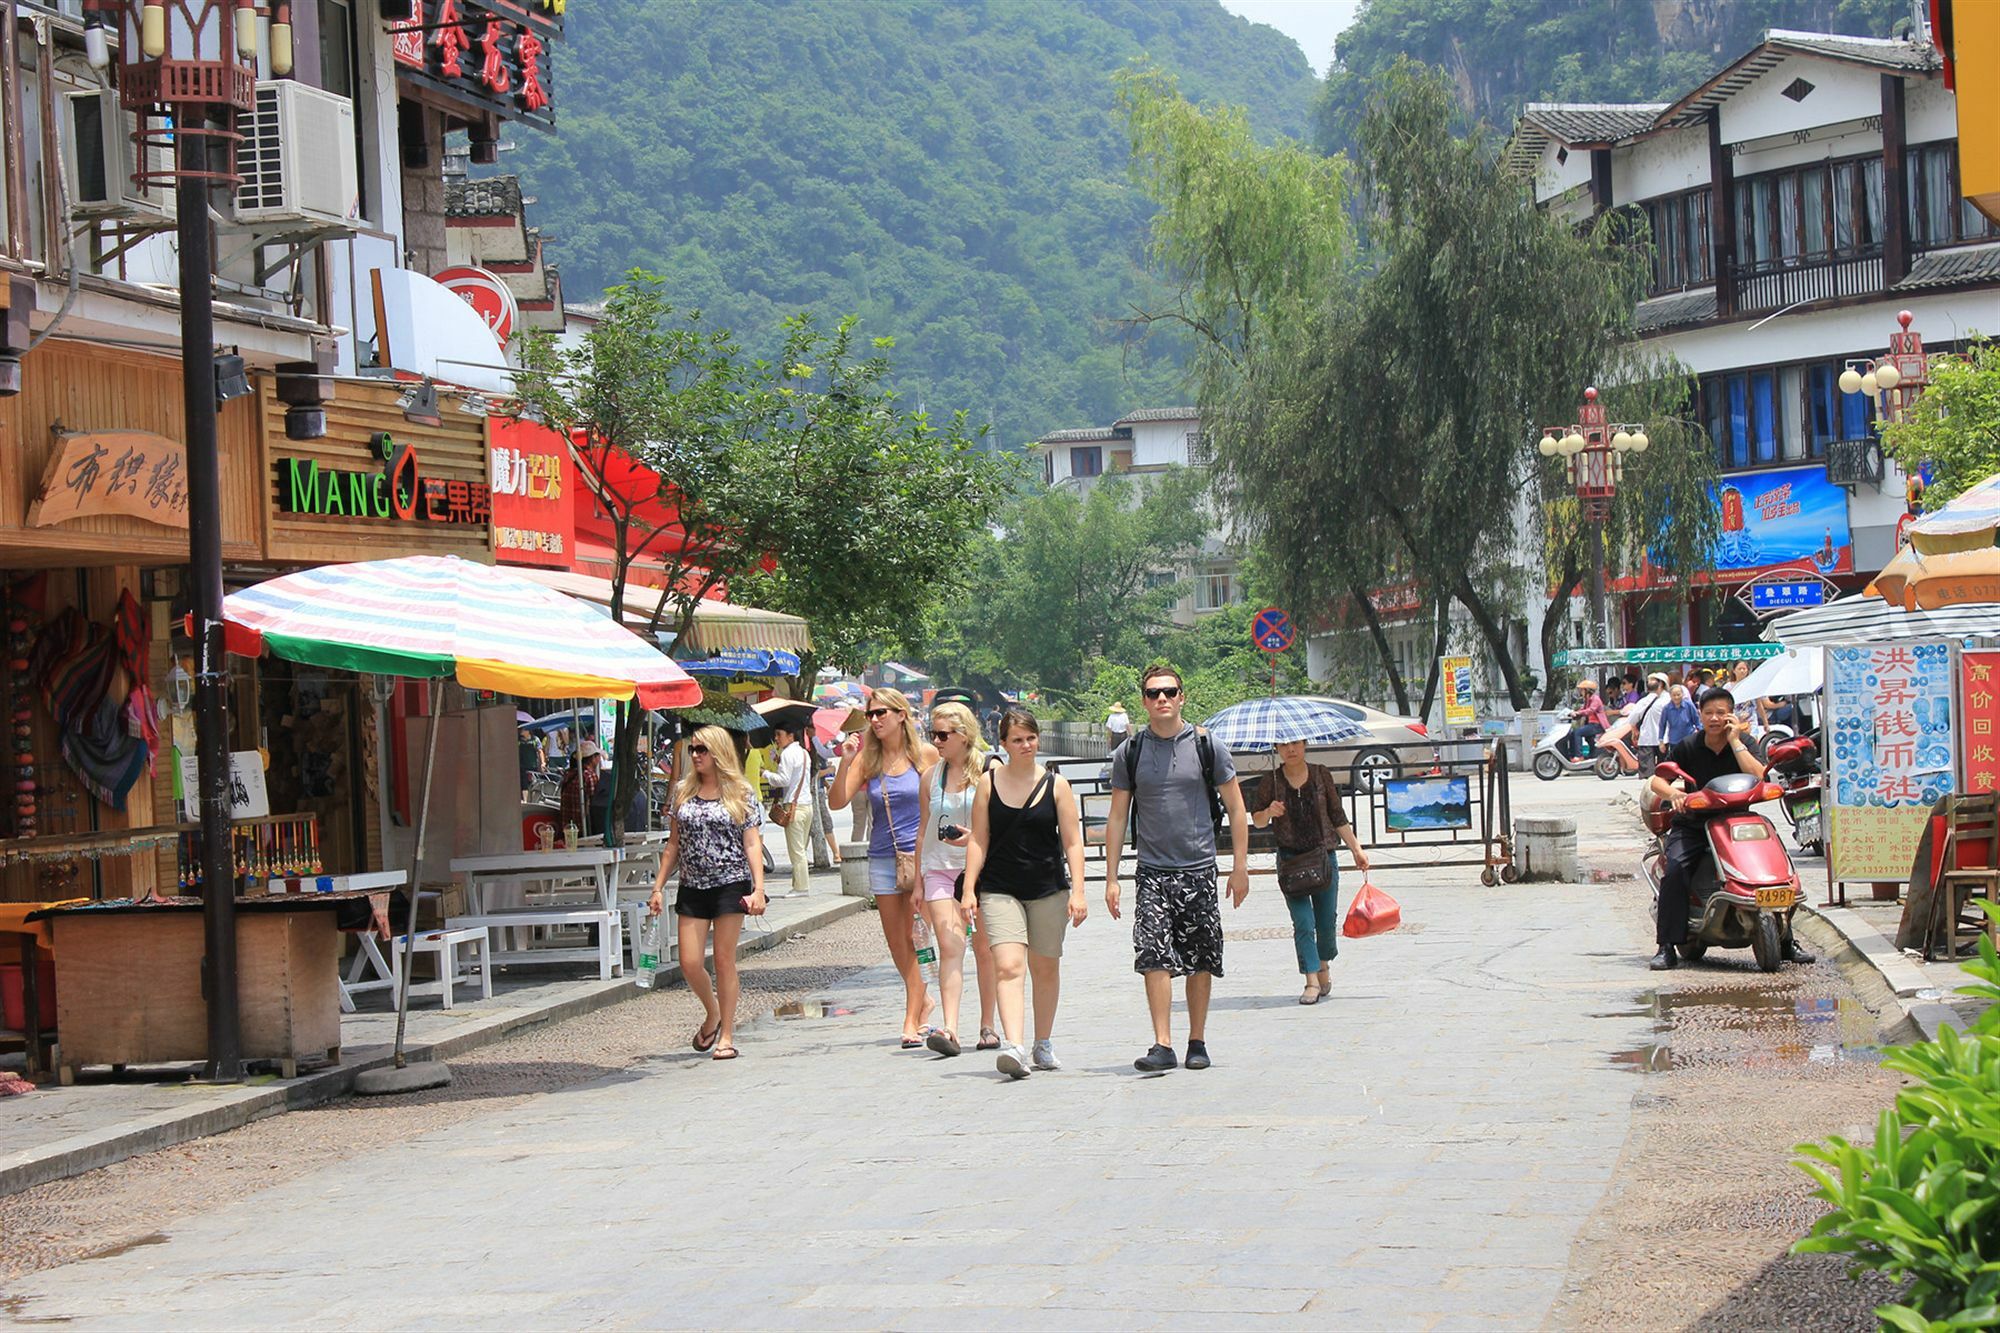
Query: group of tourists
[[991, 854], [1664, 710]]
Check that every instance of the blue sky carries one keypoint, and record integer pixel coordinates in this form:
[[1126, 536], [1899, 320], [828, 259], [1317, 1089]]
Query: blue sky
[[1313, 24]]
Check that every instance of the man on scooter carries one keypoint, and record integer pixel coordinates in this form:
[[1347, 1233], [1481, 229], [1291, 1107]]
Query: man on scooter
[[1717, 749]]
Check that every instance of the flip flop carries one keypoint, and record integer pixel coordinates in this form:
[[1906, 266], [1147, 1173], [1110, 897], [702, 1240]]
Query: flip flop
[[913, 1043], [704, 1037], [724, 1053], [989, 1040], [944, 1043]]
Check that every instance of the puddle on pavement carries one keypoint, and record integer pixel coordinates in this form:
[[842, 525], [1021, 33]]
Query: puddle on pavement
[[136, 1243], [16, 1310], [812, 1009], [1727, 1027]]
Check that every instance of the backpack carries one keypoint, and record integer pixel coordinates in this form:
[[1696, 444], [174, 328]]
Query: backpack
[[1205, 748]]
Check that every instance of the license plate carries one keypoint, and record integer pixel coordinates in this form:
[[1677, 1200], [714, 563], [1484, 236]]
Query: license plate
[[1774, 897], [1805, 809]]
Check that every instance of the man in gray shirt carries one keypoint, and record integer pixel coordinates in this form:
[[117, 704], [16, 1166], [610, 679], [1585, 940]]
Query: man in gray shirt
[[1170, 771]]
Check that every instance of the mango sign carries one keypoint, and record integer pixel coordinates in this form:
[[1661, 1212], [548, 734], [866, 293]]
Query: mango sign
[[131, 472]]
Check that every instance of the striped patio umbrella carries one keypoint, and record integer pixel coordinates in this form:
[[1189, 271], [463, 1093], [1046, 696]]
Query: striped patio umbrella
[[1258, 725], [432, 616]]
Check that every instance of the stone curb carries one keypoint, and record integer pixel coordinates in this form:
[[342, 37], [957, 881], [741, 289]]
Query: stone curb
[[1890, 982], [87, 1152]]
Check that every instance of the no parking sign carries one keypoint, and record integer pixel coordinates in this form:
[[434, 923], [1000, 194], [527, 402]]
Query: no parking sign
[[1272, 630]]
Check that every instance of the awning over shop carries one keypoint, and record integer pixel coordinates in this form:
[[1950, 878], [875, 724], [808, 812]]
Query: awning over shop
[[1867, 620], [1686, 652], [746, 661], [717, 625]]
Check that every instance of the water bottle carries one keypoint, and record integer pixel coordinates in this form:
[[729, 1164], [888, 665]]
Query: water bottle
[[920, 935], [647, 973]]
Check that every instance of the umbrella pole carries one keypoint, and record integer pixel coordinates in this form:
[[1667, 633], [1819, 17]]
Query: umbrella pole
[[416, 870]]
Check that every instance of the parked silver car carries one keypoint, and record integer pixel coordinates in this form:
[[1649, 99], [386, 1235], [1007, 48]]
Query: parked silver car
[[1396, 744]]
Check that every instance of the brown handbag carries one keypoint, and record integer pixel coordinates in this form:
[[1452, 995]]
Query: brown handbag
[[1303, 873], [907, 876]]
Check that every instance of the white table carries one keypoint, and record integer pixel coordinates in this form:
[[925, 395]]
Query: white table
[[578, 886]]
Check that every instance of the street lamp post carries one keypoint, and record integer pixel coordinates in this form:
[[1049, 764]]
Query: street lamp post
[[187, 69], [1594, 452], [1895, 380]]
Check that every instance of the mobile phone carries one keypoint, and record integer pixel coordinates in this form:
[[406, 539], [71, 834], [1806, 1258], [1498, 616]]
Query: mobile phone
[[950, 831]]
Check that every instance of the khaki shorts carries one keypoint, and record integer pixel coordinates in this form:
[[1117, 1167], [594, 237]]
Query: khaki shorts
[[1038, 923]]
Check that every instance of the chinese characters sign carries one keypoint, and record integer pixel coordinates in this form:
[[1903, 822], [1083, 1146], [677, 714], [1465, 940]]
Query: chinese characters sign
[[1979, 712], [496, 54], [130, 472], [1890, 756], [398, 490], [534, 514], [1786, 595], [1456, 673]]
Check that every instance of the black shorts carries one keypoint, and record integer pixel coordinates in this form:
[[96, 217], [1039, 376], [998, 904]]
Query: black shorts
[[708, 904], [1176, 922]]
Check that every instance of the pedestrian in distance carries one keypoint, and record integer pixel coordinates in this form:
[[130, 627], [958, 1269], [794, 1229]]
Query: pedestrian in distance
[[825, 842], [1168, 778], [1117, 725], [1719, 748], [949, 786], [1591, 719], [1680, 719], [1301, 804], [1024, 885], [791, 803], [719, 853], [886, 773], [1652, 718]]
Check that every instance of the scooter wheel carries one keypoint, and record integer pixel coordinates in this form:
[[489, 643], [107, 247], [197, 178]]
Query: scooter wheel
[[1766, 943], [1548, 767], [1606, 766], [1692, 951]]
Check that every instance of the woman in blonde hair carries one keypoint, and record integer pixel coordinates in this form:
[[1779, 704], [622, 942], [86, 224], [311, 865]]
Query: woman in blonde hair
[[946, 826], [720, 854], [886, 772]]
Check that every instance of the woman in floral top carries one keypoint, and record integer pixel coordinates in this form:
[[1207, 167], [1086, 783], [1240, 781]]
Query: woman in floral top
[[720, 855]]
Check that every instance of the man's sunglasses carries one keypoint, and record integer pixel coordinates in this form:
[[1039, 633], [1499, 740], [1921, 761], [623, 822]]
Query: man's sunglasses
[[1163, 692], [872, 713], [697, 749]]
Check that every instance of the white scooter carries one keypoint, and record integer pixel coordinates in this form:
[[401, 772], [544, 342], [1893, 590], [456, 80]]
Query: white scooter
[[1551, 763]]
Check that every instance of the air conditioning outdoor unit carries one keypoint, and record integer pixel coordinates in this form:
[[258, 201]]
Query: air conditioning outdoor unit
[[297, 158], [99, 157]]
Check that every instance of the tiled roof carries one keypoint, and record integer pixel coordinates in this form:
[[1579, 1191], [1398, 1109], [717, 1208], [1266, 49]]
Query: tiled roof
[[1949, 268], [1159, 414], [1575, 124], [1085, 435], [1666, 312], [491, 197]]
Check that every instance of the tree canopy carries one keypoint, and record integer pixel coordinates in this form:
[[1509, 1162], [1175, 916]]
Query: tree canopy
[[1951, 434]]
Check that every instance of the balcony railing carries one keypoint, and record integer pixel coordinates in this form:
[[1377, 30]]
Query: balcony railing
[[1778, 283], [1851, 462]]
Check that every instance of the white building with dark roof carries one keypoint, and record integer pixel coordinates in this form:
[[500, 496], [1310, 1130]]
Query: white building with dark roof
[[1798, 198]]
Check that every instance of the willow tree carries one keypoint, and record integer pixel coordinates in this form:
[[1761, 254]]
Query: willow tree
[[1387, 404]]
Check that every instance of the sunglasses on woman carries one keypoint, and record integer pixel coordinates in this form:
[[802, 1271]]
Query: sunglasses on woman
[[940, 737], [697, 750], [873, 713]]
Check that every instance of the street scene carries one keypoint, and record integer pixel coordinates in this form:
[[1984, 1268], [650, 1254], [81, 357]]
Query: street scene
[[1017, 663]]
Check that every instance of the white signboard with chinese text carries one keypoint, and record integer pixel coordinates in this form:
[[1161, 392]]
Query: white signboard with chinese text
[[1889, 754], [247, 796]]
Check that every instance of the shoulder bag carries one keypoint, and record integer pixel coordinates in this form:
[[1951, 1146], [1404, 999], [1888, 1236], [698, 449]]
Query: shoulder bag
[[908, 877], [785, 809], [1303, 873]]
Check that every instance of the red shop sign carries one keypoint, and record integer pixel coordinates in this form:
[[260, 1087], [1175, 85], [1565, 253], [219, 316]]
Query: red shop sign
[[534, 514], [1979, 736], [488, 296]]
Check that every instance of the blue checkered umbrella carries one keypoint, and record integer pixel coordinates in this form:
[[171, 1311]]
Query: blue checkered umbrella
[[1257, 725]]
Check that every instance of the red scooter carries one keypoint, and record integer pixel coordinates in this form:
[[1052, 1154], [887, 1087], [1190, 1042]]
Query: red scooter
[[1745, 891], [1794, 764]]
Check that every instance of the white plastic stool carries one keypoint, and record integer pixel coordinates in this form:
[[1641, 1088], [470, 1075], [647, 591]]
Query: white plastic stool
[[452, 970]]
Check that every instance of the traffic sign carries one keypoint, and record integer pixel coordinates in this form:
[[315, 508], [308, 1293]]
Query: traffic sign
[[1272, 630]]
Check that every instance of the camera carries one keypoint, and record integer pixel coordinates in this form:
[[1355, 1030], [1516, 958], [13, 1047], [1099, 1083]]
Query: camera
[[946, 832]]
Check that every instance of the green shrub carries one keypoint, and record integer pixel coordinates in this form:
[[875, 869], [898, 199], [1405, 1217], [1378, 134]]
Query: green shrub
[[1922, 1203]]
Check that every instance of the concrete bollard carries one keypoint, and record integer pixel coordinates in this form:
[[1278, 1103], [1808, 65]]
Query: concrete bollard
[[1545, 848], [854, 870]]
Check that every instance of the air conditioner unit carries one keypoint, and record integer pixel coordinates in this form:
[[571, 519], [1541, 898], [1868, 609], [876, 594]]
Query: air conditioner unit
[[296, 160], [98, 158]]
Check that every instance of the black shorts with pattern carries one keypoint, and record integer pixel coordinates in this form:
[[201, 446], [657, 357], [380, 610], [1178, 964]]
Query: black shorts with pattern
[[1177, 922]]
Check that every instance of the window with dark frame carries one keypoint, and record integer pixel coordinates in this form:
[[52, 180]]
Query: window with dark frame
[[1935, 212], [1820, 212], [1753, 415], [1679, 224], [1086, 461]]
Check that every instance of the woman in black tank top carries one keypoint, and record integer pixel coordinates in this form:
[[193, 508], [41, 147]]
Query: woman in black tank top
[[1024, 872]]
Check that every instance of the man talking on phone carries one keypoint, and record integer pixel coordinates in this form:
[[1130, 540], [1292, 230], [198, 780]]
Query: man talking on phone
[[1717, 749]]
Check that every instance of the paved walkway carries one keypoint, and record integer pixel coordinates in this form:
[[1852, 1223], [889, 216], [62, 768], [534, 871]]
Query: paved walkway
[[1421, 1149]]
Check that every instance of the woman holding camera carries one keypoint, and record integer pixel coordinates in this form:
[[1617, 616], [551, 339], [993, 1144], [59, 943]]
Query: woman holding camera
[[949, 785]]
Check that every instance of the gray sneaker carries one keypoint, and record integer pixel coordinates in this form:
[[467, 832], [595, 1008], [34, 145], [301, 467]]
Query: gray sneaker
[[1045, 1056], [1012, 1061]]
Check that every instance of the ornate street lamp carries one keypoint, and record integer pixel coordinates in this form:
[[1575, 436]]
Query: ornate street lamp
[[1895, 380], [187, 69], [1594, 452]]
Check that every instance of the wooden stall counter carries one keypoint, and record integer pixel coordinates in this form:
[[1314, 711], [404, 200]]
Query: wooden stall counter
[[128, 981]]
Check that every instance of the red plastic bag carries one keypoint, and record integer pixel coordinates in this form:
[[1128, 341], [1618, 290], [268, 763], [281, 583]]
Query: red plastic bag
[[1373, 913]]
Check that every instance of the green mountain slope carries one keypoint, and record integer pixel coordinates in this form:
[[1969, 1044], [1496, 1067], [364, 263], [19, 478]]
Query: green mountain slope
[[1505, 53], [953, 172]]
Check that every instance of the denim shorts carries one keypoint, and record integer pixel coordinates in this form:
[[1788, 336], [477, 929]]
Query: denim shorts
[[882, 874]]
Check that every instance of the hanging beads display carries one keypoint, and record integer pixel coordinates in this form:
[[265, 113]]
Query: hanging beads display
[[20, 707]]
